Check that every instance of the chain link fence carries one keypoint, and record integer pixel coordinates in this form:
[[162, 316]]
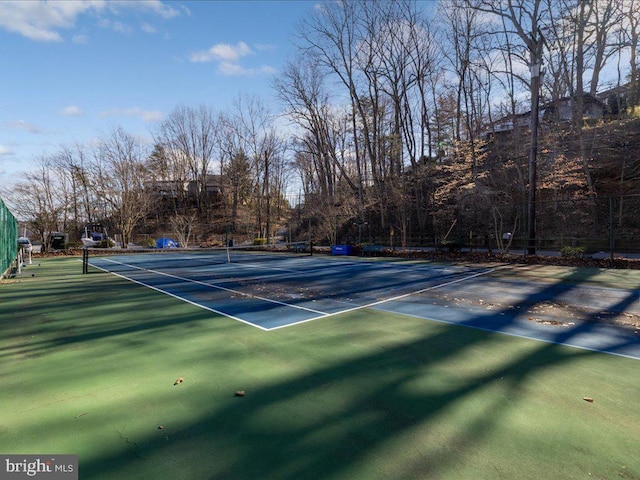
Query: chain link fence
[[606, 226], [587, 226], [8, 238]]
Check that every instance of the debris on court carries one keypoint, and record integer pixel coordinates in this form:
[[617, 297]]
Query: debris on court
[[179, 380], [555, 323]]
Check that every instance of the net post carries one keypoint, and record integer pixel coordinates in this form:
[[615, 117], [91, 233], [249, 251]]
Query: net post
[[85, 261]]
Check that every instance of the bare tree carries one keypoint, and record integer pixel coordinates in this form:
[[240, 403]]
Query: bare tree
[[183, 226], [121, 181], [37, 200], [189, 139], [631, 42], [259, 140], [526, 18], [333, 39], [71, 166], [605, 18], [323, 133], [464, 50]]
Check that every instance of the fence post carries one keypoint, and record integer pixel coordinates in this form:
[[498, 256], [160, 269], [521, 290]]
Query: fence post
[[611, 239]]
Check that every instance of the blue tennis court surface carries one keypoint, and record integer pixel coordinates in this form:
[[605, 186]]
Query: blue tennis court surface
[[271, 292]]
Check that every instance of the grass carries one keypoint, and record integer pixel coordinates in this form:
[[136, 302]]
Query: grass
[[88, 365]]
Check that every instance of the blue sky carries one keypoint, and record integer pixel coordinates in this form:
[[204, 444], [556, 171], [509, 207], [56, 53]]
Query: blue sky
[[72, 71]]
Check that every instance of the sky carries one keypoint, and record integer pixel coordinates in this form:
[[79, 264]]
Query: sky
[[73, 71]]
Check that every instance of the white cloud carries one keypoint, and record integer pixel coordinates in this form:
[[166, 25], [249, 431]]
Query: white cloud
[[71, 111], [147, 28], [42, 21], [229, 69], [80, 39], [229, 56], [152, 116], [22, 125], [222, 52], [145, 115], [115, 25], [154, 6], [5, 152]]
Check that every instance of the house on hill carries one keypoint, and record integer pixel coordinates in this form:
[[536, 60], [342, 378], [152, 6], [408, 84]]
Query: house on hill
[[173, 189], [508, 124], [556, 111], [618, 99], [561, 110], [212, 187], [167, 189]]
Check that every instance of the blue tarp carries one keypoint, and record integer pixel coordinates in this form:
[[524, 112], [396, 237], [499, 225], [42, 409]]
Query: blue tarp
[[341, 250], [166, 243]]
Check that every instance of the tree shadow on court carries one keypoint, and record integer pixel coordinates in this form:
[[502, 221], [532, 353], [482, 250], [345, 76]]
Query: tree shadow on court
[[330, 422], [344, 414], [47, 318]]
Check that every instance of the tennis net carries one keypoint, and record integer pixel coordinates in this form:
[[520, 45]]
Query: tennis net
[[185, 258]]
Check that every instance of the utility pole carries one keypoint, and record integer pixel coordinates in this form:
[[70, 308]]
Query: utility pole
[[268, 196], [537, 41]]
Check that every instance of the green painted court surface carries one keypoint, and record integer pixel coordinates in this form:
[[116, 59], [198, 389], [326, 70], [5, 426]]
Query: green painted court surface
[[88, 366]]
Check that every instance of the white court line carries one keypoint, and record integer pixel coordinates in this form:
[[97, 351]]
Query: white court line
[[181, 298], [218, 287], [391, 299], [522, 335], [448, 322], [321, 314]]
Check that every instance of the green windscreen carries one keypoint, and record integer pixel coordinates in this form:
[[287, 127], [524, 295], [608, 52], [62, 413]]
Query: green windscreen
[[8, 238]]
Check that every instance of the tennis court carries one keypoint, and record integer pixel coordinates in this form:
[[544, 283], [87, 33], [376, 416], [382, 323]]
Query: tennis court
[[383, 383], [272, 290]]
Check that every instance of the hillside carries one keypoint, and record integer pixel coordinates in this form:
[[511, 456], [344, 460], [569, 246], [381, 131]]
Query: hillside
[[586, 188]]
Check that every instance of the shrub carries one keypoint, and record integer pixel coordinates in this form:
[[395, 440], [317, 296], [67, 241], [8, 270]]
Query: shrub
[[573, 252]]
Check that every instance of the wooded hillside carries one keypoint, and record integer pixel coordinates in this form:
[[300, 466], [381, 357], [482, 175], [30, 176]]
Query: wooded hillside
[[409, 123]]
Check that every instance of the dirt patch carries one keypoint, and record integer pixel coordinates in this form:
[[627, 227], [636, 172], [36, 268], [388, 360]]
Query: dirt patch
[[551, 313]]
